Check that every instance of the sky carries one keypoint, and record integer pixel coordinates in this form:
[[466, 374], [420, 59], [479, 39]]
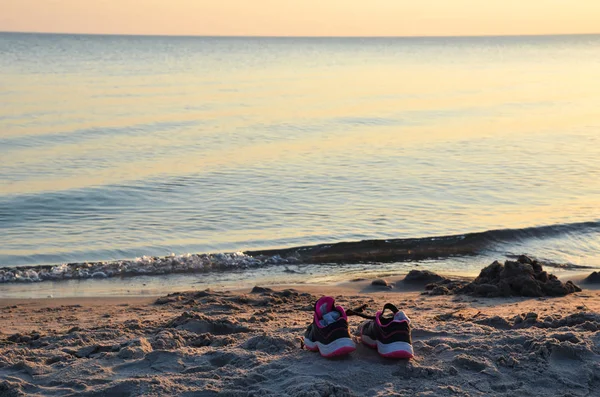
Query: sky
[[302, 17]]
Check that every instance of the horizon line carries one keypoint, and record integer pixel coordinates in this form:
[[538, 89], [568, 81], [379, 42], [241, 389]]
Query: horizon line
[[296, 37]]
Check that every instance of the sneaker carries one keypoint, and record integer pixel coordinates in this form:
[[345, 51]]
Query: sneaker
[[390, 335], [328, 332]]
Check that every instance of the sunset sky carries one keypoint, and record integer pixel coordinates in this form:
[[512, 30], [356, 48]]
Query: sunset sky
[[302, 17]]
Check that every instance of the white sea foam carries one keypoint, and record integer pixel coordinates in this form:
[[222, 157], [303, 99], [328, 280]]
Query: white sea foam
[[146, 265]]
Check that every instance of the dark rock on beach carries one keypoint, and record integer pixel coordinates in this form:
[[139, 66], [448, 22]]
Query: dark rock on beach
[[525, 277], [445, 287], [422, 277], [380, 283], [440, 290], [525, 259], [260, 290], [593, 278]]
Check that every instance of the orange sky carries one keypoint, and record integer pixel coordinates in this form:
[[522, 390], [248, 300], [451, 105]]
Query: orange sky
[[303, 17]]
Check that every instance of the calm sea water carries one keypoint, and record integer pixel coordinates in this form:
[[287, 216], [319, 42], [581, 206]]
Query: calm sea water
[[116, 147]]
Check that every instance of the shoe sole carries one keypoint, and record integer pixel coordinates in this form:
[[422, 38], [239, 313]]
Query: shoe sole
[[389, 350], [339, 347]]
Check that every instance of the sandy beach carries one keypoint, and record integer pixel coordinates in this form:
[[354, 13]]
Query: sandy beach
[[187, 186], [247, 343]]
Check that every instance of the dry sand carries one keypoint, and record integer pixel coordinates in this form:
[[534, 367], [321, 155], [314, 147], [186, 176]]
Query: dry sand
[[204, 343]]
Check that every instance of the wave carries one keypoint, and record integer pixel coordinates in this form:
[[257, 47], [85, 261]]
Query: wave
[[397, 250], [144, 266], [366, 251]]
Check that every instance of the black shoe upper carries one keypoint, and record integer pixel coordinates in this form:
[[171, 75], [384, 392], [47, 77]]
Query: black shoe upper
[[329, 333], [390, 331]]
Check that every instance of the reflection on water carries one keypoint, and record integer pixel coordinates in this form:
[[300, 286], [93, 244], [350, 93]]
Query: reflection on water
[[117, 147]]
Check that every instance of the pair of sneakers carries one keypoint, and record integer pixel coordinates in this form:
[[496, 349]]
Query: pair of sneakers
[[388, 333]]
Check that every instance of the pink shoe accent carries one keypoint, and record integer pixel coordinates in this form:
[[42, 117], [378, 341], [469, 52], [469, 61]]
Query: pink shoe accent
[[340, 352], [397, 354], [369, 345], [328, 304], [342, 311]]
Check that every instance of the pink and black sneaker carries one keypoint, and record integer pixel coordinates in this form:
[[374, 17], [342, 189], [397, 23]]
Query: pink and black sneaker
[[328, 332], [390, 335]]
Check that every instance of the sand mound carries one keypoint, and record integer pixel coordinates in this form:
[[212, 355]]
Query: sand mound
[[269, 344], [524, 277], [200, 324]]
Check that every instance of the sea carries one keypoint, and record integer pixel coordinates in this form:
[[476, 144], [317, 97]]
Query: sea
[[134, 165]]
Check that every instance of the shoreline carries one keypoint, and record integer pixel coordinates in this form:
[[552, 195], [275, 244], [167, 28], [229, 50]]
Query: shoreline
[[154, 286]]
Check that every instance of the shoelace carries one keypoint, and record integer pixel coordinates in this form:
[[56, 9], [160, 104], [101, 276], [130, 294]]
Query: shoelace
[[359, 312]]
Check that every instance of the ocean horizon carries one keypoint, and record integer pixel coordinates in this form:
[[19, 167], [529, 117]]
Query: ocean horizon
[[297, 37]]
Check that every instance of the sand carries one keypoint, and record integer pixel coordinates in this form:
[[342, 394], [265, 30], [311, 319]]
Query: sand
[[204, 343]]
